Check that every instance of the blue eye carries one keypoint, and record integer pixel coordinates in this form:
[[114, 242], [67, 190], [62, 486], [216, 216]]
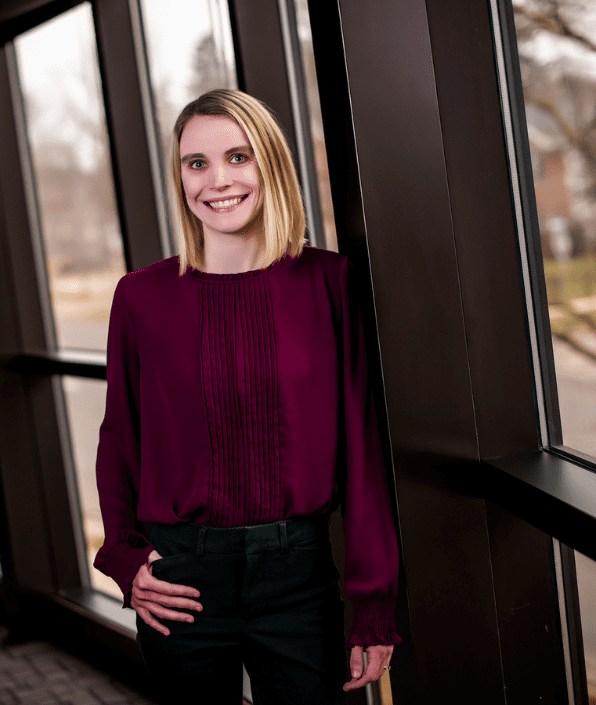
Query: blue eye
[[242, 157], [193, 164]]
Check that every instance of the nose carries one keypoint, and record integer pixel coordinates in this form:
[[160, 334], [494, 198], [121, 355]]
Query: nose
[[221, 176]]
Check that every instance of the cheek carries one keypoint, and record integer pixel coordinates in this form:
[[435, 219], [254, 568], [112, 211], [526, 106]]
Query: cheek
[[251, 176], [191, 187]]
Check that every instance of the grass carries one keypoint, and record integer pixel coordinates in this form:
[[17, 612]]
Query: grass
[[565, 285]]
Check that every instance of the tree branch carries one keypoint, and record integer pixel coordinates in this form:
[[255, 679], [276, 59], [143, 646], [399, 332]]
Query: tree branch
[[578, 347], [553, 23], [580, 140]]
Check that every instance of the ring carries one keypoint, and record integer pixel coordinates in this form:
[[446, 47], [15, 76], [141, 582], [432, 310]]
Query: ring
[[387, 668]]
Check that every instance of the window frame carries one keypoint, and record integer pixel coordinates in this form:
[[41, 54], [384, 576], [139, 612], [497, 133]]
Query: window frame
[[557, 477]]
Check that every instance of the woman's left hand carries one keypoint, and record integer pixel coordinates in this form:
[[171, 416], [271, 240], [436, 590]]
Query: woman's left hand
[[378, 657]]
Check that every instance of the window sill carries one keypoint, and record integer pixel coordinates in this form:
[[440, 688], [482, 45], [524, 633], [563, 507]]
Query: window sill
[[100, 608], [549, 490]]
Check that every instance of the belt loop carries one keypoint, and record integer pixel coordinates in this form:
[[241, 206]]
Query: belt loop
[[283, 536], [201, 535]]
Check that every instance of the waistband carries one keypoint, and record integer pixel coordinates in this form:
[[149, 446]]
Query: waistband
[[279, 535]]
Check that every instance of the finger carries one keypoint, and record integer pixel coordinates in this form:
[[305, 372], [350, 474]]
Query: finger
[[164, 613], [169, 601], [356, 667], [147, 582], [381, 653], [167, 595], [153, 556], [148, 619], [387, 658], [357, 661], [372, 672], [160, 604], [377, 656]]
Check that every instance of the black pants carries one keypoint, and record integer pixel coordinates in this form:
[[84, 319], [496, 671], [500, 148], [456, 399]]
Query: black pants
[[270, 600]]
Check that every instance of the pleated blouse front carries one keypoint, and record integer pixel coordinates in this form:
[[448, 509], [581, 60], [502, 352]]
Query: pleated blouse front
[[238, 363]]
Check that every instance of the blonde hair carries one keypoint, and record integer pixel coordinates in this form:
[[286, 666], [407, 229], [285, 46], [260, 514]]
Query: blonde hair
[[283, 210]]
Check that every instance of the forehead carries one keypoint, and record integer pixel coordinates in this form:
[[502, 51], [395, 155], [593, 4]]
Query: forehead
[[211, 133]]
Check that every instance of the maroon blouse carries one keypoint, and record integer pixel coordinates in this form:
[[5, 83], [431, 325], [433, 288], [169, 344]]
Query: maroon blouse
[[240, 399]]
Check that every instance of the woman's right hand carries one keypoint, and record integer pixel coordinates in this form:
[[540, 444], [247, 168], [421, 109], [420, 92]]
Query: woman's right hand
[[152, 597]]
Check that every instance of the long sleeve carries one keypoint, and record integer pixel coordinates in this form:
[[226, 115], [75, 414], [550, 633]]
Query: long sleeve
[[118, 454], [371, 564]]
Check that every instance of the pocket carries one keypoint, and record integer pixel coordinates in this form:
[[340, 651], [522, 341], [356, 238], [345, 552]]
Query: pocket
[[172, 552], [312, 543], [169, 562], [167, 545]]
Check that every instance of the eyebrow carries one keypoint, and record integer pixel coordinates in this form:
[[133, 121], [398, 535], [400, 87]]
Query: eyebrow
[[199, 155]]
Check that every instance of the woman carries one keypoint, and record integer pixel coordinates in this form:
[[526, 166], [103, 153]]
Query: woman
[[238, 417]]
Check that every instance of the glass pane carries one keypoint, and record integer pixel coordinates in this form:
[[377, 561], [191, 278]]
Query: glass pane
[[557, 49], [190, 51], [316, 122], [586, 584], [66, 129], [85, 401]]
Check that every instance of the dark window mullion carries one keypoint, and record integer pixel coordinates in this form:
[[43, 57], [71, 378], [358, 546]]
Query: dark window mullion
[[23, 222], [531, 226], [301, 111], [574, 626], [263, 63], [17, 16], [139, 190]]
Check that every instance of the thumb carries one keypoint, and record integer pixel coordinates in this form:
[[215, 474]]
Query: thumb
[[357, 661], [153, 556]]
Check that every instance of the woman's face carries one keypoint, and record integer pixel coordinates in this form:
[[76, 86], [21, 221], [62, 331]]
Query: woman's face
[[220, 176]]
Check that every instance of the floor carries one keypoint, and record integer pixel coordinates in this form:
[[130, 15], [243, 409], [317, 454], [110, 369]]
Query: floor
[[38, 673]]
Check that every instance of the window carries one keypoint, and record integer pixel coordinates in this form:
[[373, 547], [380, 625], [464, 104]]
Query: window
[[556, 43], [189, 50], [313, 105], [79, 242], [557, 52]]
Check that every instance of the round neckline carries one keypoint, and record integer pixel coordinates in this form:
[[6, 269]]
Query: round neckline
[[231, 276]]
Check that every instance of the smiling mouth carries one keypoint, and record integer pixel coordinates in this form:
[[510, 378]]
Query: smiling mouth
[[228, 203]]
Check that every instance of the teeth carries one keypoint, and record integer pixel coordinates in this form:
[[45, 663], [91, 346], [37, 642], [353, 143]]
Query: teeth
[[225, 204]]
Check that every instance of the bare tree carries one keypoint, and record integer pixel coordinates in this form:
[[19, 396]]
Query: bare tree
[[556, 86], [208, 70]]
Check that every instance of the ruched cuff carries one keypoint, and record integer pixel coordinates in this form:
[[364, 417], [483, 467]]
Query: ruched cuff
[[122, 563], [373, 622]]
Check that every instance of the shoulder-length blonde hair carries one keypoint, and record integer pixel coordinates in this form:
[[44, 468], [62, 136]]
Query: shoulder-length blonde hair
[[283, 210]]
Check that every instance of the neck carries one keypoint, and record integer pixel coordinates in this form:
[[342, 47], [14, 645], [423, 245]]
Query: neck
[[231, 254]]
